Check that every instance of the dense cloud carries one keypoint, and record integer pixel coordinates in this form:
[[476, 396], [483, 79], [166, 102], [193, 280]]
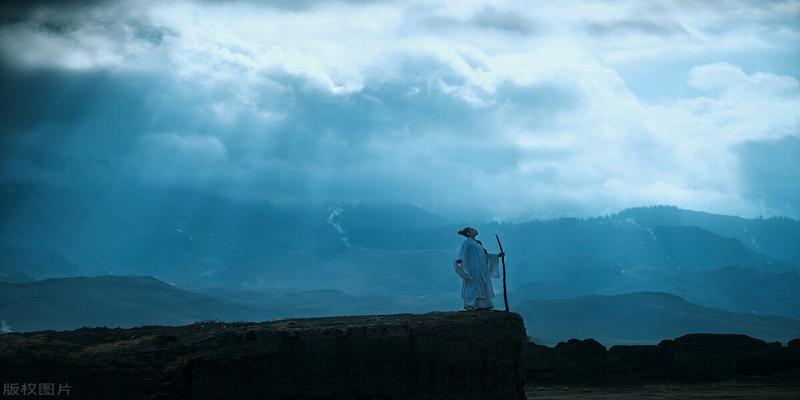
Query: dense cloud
[[509, 109]]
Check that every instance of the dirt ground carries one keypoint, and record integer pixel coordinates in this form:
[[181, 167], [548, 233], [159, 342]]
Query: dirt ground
[[724, 390]]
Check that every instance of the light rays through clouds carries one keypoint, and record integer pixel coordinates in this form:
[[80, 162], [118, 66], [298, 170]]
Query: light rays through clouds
[[512, 109]]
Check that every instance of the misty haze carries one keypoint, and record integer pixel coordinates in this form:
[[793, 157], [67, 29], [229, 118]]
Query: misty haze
[[189, 163]]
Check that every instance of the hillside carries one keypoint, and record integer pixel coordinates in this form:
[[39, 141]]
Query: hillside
[[642, 318], [777, 237], [298, 302], [126, 301], [181, 236], [389, 257], [193, 238], [113, 301], [734, 288], [589, 252]]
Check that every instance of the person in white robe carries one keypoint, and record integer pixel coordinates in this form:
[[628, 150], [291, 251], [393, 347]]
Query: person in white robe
[[476, 267]]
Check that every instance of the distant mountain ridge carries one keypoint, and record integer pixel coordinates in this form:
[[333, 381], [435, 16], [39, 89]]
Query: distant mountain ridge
[[585, 252], [113, 301], [777, 237], [733, 289], [643, 317], [374, 251], [93, 229], [392, 217], [128, 301]]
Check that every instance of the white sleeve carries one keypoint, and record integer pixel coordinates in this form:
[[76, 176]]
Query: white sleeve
[[459, 267], [493, 260], [462, 255]]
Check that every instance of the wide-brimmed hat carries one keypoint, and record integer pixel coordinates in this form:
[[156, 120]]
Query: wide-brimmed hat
[[466, 229]]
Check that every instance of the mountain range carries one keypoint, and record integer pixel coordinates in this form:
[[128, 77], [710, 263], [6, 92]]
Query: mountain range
[[642, 318], [333, 258], [129, 301], [733, 289], [113, 301]]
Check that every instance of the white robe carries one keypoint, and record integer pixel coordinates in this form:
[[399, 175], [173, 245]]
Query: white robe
[[476, 268]]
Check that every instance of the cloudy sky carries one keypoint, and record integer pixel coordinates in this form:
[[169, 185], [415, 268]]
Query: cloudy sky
[[517, 109]]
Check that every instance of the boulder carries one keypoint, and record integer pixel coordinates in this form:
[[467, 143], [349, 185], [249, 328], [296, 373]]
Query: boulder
[[645, 361], [689, 358], [583, 361], [771, 360], [540, 363], [704, 357], [581, 349]]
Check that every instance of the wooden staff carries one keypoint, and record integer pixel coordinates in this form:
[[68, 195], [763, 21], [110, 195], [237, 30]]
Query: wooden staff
[[505, 292]]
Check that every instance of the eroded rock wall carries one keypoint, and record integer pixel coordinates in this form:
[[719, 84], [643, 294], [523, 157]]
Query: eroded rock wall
[[440, 355], [689, 358]]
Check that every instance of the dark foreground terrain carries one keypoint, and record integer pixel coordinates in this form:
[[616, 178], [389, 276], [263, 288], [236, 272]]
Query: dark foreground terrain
[[439, 355], [693, 358], [729, 390], [696, 366]]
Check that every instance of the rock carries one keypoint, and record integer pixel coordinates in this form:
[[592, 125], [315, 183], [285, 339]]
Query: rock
[[706, 357], [540, 363], [584, 361], [689, 358], [465, 355], [587, 361], [581, 349], [770, 360], [645, 361], [716, 341]]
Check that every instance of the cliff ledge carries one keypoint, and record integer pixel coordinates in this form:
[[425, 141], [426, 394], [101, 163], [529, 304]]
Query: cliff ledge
[[438, 355]]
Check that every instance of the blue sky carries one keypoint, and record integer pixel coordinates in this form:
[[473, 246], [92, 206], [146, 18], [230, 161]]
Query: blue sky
[[503, 108]]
